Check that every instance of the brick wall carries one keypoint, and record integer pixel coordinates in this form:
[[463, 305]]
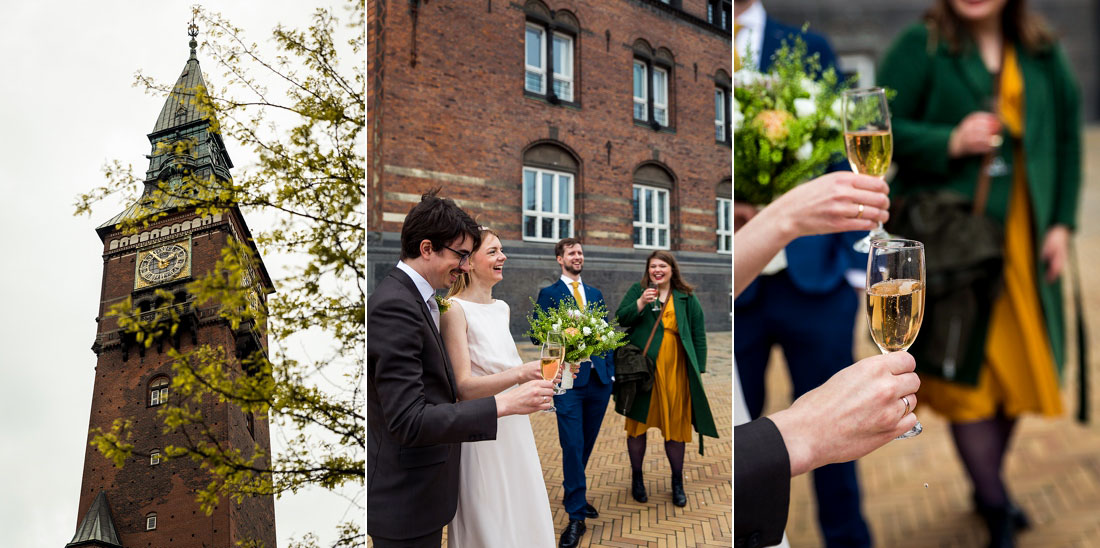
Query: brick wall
[[459, 118]]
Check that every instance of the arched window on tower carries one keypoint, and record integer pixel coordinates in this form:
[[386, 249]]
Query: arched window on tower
[[725, 217], [154, 457], [151, 521], [158, 391]]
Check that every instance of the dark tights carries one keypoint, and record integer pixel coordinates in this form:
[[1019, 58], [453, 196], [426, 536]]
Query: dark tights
[[635, 447], [982, 446]]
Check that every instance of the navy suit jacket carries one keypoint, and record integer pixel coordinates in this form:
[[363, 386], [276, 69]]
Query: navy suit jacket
[[815, 264], [604, 364]]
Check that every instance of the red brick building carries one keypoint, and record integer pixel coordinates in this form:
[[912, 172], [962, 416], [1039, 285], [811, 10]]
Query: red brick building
[[606, 120], [151, 500]]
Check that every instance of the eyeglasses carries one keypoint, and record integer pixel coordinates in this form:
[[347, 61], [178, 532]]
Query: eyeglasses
[[463, 256]]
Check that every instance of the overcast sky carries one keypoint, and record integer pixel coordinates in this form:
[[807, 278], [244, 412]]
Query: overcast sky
[[67, 107]]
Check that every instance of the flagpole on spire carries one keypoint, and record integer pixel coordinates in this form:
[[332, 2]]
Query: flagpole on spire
[[193, 31]]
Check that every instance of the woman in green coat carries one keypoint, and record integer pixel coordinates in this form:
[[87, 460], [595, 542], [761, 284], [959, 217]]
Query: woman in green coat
[[946, 119], [679, 350]]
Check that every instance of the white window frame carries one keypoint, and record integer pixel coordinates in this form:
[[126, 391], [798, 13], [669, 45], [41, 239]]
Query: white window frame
[[660, 110], [154, 457], [642, 224], [158, 393], [541, 70], [725, 225], [721, 113], [642, 100], [566, 65], [555, 208], [151, 521]]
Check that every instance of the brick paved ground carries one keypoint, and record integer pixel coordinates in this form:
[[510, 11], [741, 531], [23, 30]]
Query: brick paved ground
[[707, 519], [916, 493]]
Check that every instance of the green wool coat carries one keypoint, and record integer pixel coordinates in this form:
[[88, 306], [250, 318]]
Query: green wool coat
[[936, 89], [693, 335]]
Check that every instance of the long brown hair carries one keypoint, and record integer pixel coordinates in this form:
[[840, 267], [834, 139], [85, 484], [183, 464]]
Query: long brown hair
[[676, 281], [1017, 24], [463, 280]]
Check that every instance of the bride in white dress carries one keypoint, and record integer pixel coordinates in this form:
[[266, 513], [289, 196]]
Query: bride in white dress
[[502, 498]]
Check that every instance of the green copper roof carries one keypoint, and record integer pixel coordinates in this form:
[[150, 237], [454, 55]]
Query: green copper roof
[[97, 528], [181, 107]]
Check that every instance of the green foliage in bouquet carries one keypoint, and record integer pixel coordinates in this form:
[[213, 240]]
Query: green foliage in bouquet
[[586, 332], [787, 124]]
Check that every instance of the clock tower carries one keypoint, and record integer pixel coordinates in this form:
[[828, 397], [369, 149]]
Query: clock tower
[[150, 501]]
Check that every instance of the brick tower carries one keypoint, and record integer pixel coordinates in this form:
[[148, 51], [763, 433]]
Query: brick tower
[[150, 502]]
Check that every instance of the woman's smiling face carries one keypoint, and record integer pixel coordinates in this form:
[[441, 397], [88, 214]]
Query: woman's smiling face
[[487, 263]]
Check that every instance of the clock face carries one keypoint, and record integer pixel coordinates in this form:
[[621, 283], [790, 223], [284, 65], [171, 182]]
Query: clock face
[[162, 263]]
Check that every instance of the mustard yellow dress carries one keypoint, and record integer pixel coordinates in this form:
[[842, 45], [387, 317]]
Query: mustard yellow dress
[[1019, 374], [670, 402]]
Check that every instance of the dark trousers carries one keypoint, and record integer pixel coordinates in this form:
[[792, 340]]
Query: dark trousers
[[580, 413], [431, 540], [815, 333]]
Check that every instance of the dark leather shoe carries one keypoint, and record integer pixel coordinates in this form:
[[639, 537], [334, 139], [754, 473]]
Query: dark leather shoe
[[590, 511], [637, 488], [1016, 515], [679, 498], [571, 536], [1001, 531]]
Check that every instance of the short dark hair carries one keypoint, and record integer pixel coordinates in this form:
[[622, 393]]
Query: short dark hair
[[559, 249], [437, 220]]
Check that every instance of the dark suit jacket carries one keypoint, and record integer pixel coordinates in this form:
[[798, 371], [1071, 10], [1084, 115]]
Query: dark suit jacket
[[815, 264], [414, 426], [761, 484], [604, 364]]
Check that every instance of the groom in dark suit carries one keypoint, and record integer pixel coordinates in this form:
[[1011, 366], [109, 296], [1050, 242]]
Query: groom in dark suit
[[808, 308], [414, 425], [580, 410]]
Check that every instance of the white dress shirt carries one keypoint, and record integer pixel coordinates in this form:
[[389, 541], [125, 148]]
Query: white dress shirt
[[751, 37]]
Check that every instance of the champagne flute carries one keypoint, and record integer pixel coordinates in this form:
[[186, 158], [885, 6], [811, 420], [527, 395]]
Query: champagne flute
[[656, 304], [549, 365], [868, 141], [895, 297], [556, 340]]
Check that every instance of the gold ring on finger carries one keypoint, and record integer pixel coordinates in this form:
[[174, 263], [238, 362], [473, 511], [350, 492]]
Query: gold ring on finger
[[859, 214], [905, 400]]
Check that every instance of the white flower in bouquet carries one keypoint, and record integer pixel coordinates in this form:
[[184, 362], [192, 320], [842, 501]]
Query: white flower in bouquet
[[804, 108], [556, 327], [587, 331], [805, 151], [603, 323]]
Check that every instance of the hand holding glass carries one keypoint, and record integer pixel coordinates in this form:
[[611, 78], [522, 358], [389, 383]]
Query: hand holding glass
[[895, 297]]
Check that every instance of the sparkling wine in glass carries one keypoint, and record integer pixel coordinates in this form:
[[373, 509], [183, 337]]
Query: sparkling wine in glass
[[549, 364], [656, 304], [869, 141], [895, 297], [556, 340]]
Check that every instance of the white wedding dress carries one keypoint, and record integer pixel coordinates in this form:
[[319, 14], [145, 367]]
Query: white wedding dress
[[502, 498]]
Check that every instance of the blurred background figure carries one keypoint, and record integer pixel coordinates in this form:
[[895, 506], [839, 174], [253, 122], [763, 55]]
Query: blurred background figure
[[986, 79], [807, 307]]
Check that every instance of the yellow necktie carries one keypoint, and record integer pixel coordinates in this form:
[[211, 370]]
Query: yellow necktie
[[577, 294], [736, 59]]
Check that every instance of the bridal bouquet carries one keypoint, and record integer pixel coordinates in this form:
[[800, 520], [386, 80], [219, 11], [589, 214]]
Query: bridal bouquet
[[787, 125], [586, 332]]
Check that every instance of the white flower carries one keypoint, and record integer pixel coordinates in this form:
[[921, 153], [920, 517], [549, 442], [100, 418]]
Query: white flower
[[556, 327], [804, 108], [838, 114], [603, 323], [586, 330], [581, 346], [803, 153], [738, 118], [574, 313], [813, 87]]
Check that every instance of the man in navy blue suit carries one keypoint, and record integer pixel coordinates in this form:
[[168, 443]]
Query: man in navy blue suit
[[580, 410], [808, 308]]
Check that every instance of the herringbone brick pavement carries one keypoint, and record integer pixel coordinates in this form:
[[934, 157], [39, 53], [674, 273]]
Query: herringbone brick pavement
[[916, 492]]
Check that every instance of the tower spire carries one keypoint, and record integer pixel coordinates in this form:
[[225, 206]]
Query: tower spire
[[193, 31]]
